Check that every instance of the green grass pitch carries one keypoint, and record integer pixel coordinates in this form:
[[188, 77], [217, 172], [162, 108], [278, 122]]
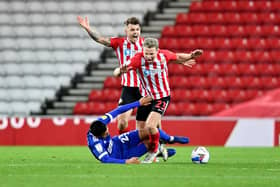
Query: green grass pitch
[[75, 166]]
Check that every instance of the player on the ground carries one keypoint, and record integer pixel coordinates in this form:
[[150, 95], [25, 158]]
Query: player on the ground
[[151, 66], [127, 147], [125, 48]]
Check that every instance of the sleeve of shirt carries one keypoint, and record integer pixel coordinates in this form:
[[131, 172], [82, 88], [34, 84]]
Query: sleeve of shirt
[[169, 55], [99, 152], [108, 117], [135, 61], [114, 42]]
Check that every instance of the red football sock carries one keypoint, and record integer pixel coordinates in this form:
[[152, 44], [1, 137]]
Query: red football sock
[[154, 140], [127, 129]]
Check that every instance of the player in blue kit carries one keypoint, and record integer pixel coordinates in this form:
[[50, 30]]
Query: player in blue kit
[[128, 147]]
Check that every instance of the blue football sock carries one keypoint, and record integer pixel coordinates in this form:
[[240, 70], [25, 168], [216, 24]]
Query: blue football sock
[[181, 139], [163, 135]]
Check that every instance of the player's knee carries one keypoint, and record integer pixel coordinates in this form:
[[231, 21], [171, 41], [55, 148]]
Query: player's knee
[[122, 124], [152, 130]]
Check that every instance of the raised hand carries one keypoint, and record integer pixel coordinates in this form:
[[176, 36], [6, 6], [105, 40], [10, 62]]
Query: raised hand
[[133, 160], [189, 63], [196, 53], [144, 101], [84, 22]]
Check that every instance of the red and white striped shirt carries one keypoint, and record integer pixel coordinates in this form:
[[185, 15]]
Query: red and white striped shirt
[[125, 50], [153, 76]]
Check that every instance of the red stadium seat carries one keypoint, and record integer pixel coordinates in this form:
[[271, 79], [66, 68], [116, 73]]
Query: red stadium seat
[[95, 95], [242, 56], [269, 69], [270, 82], [269, 18], [253, 30], [198, 82], [174, 109], [201, 30], [236, 30], [204, 43], [199, 94], [168, 31], [187, 108], [249, 18], [112, 95], [112, 82], [225, 56], [273, 43], [169, 43], [232, 18], [248, 69], [217, 107], [257, 43], [218, 30], [220, 95], [214, 18], [262, 56], [196, 6], [186, 44], [275, 56], [229, 5], [179, 82], [203, 109], [81, 108], [246, 6], [271, 30], [229, 69], [184, 31], [216, 82], [183, 18]]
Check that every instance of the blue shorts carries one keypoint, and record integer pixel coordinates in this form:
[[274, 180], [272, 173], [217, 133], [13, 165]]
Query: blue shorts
[[128, 145]]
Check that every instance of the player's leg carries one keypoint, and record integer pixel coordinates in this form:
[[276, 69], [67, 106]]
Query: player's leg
[[135, 143], [142, 115], [128, 95], [123, 121], [166, 138]]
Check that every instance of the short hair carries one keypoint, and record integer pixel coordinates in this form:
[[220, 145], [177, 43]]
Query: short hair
[[97, 128], [132, 20], [151, 42]]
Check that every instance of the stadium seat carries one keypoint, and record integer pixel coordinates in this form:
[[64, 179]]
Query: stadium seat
[[112, 82]]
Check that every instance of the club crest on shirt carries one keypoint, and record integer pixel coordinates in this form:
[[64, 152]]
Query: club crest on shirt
[[146, 73], [104, 117], [127, 52]]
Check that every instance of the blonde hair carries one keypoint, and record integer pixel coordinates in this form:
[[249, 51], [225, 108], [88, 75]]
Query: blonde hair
[[151, 42]]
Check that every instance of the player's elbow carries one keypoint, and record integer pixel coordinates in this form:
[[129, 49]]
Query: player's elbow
[[105, 160]]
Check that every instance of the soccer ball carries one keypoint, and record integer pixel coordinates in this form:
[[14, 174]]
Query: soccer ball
[[200, 155]]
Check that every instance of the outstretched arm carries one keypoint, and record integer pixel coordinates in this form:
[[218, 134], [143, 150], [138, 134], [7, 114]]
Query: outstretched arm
[[184, 57], [123, 108], [93, 33]]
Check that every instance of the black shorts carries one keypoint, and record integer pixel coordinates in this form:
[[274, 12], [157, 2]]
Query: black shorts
[[129, 95], [158, 105]]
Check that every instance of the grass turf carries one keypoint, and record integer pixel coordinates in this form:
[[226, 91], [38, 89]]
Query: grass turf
[[74, 166]]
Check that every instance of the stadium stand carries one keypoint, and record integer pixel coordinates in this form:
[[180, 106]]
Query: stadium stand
[[42, 46], [240, 39], [240, 62]]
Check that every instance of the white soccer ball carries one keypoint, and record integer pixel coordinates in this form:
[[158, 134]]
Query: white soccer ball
[[200, 155]]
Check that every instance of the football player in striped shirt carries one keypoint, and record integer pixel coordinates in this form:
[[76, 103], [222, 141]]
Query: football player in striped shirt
[[125, 48], [151, 66]]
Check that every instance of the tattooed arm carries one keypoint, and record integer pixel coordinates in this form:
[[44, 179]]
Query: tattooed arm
[[93, 33]]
